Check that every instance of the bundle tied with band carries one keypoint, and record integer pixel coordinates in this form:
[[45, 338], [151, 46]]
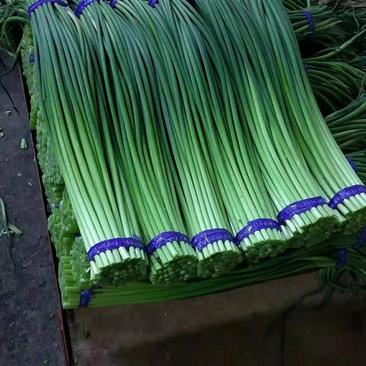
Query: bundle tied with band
[[34, 6], [196, 147]]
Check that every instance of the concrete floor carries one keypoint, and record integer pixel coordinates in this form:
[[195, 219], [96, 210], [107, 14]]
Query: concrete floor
[[30, 313]]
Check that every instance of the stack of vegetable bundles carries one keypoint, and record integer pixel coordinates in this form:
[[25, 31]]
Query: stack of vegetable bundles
[[187, 136]]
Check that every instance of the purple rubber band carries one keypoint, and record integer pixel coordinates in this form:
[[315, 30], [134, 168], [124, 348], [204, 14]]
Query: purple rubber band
[[113, 3], [206, 237], [254, 226], [309, 17], [299, 207], [342, 258], [32, 58], [38, 3], [346, 193], [353, 164], [82, 5], [152, 3], [112, 244], [163, 239], [85, 298], [361, 240]]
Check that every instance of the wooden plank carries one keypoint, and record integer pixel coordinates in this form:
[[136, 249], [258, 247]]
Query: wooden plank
[[246, 326]]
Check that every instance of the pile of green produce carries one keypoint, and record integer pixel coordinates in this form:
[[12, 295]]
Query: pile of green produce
[[189, 147]]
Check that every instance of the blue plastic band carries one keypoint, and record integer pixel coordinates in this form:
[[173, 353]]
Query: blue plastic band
[[38, 3], [353, 164], [113, 3], [254, 226], [112, 244], [299, 207], [163, 239], [206, 237], [361, 240], [342, 258], [346, 193], [309, 17], [152, 3], [85, 298], [32, 58], [82, 5]]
